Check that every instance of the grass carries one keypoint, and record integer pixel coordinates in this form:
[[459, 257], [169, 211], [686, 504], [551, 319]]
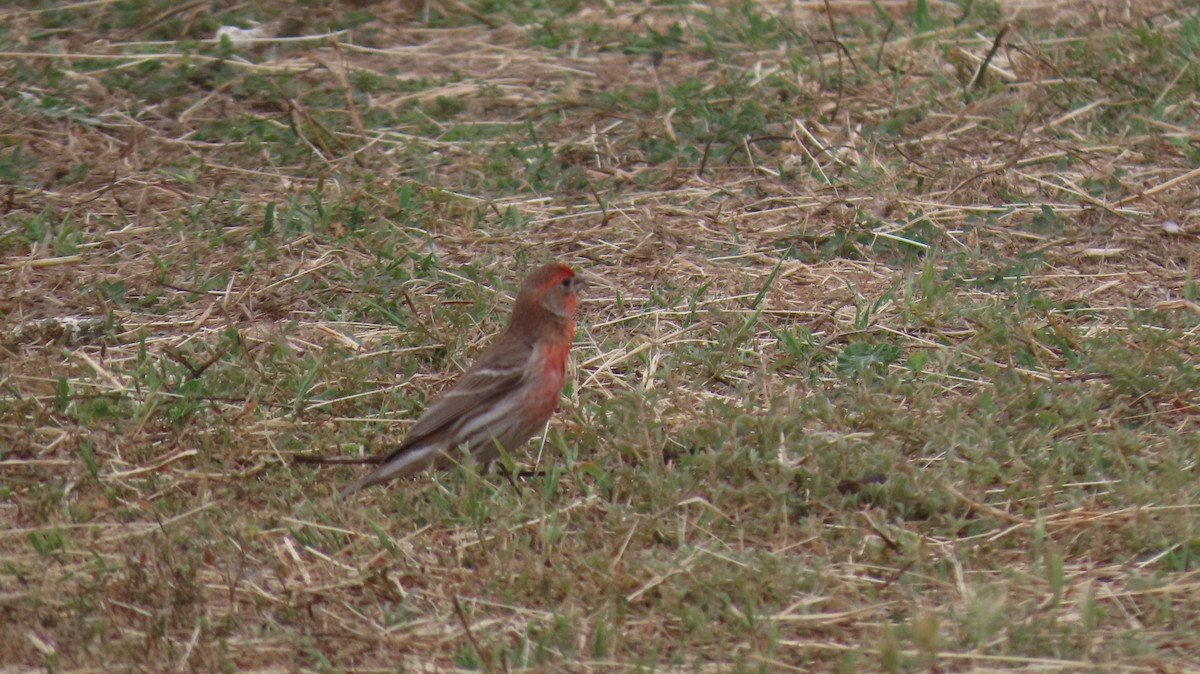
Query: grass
[[891, 365]]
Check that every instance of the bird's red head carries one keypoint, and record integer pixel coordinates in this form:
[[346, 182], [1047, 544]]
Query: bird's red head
[[549, 292]]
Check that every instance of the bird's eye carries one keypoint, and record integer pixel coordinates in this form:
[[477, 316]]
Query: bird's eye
[[566, 283]]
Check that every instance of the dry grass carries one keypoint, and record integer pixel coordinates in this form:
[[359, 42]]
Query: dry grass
[[883, 371]]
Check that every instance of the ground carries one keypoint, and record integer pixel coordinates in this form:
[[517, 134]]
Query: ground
[[888, 363]]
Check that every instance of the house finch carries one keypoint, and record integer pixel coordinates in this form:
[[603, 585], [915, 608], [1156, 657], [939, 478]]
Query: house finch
[[507, 396]]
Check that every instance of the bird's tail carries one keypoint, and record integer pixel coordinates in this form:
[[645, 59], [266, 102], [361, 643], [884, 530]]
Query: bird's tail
[[337, 460], [404, 461]]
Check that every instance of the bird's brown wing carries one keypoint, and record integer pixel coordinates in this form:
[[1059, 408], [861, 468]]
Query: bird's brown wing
[[498, 371]]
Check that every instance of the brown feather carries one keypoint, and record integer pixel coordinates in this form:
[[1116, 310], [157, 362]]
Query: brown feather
[[471, 391]]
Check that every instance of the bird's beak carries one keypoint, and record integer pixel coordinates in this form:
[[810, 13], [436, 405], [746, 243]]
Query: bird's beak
[[586, 281]]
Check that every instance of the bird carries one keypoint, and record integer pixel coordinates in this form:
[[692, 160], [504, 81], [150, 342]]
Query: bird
[[507, 396]]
